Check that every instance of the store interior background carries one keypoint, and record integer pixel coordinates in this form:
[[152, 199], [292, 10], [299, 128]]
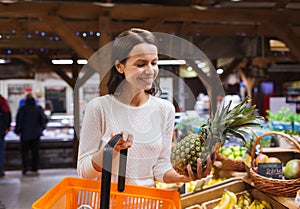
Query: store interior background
[[256, 43]]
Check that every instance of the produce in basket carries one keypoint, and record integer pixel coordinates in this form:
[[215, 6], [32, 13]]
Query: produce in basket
[[235, 152], [292, 169], [213, 134], [261, 158], [280, 187], [232, 158]]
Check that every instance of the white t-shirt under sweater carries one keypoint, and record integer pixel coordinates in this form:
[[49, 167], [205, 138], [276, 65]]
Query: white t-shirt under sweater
[[151, 125]]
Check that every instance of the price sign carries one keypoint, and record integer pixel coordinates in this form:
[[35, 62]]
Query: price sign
[[270, 170]]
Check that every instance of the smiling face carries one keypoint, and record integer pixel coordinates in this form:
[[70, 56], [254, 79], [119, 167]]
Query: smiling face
[[140, 68]]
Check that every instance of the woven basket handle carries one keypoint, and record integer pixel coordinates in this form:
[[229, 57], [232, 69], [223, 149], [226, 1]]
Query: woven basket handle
[[267, 134], [106, 170], [252, 131]]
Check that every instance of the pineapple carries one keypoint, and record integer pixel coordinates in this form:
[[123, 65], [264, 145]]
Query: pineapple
[[213, 134]]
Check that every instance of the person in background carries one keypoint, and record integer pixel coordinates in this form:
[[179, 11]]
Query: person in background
[[132, 108], [22, 100], [29, 127], [5, 120]]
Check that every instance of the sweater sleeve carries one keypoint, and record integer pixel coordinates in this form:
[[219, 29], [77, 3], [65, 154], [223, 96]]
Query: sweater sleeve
[[164, 160], [89, 141]]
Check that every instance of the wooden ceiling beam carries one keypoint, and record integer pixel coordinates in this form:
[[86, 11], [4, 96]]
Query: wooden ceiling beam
[[211, 29], [281, 3], [284, 32], [153, 22], [62, 73], [69, 36], [230, 68], [29, 60], [33, 56], [23, 43], [76, 11], [65, 19], [210, 14]]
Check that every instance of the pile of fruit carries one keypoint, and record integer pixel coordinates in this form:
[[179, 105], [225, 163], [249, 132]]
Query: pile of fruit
[[291, 170], [235, 152], [230, 200], [232, 156]]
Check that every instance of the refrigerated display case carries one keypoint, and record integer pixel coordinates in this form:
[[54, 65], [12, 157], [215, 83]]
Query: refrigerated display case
[[56, 146]]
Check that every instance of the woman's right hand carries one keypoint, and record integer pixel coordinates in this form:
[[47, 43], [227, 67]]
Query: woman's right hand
[[125, 142]]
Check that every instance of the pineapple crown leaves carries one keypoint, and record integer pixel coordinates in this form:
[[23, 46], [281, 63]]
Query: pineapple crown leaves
[[231, 121]]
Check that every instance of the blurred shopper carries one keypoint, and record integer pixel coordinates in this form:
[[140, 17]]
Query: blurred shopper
[[29, 126], [5, 119], [22, 100]]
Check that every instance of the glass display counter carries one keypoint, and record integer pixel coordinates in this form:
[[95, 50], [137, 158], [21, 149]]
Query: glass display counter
[[56, 147]]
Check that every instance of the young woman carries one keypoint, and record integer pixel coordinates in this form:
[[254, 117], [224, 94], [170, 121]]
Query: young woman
[[132, 109]]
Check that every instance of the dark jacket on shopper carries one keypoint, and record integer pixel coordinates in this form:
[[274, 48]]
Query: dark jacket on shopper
[[29, 120], [5, 116]]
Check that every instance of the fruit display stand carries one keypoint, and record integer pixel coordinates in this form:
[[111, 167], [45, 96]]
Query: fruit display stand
[[208, 197]]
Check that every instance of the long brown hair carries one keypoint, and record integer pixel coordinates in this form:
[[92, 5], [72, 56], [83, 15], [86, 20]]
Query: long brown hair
[[121, 48]]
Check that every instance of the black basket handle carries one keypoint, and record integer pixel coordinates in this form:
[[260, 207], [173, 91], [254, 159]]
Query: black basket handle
[[106, 170]]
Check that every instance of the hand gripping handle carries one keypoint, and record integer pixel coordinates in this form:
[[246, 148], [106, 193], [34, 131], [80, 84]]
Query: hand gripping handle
[[106, 170]]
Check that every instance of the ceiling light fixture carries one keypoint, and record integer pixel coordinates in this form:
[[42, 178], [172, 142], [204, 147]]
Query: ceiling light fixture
[[82, 62], [201, 65], [8, 1], [2, 61], [5, 60], [199, 7], [189, 68], [220, 71], [108, 5], [62, 62], [171, 62]]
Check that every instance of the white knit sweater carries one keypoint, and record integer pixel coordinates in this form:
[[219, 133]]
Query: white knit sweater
[[151, 125]]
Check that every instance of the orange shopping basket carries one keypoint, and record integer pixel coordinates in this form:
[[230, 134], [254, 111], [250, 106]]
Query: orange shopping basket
[[79, 193]]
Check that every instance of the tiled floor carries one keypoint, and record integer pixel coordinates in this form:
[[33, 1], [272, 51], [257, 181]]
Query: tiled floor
[[18, 192]]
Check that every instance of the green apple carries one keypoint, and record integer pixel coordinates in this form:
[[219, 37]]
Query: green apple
[[236, 148], [226, 151], [231, 156]]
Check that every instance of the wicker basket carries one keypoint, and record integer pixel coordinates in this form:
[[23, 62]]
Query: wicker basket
[[287, 188], [232, 164]]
